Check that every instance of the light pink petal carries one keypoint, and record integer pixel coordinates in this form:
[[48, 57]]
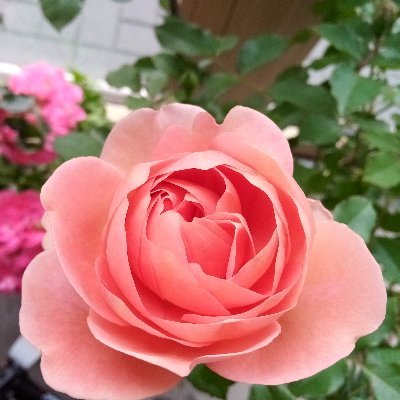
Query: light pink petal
[[53, 318], [319, 211], [343, 298], [133, 140], [77, 198], [173, 356], [258, 130]]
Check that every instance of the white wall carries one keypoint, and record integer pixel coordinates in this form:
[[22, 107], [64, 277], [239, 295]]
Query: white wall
[[104, 36]]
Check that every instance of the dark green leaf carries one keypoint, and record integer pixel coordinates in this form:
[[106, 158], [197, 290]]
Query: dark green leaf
[[388, 142], [260, 50], [323, 383], [172, 64], [341, 37], [208, 381], [382, 170], [383, 356], [137, 102], [217, 84], [61, 12], [352, 91], [319, 129], [78, 145], [292, 88], [260, 392], [15, 104], [358, 213], [385, 381], [387, 253], [389, 221], [154, 81], [183, 37], [125, 76]]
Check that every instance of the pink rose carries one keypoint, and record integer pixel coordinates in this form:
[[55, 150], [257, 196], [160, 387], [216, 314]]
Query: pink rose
[[21, 235], [189, 242]]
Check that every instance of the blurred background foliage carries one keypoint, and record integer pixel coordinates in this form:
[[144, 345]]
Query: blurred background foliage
[[345, 137]]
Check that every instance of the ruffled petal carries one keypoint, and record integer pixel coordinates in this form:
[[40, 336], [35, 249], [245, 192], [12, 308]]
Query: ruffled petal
[[343, 298], [54, 318]]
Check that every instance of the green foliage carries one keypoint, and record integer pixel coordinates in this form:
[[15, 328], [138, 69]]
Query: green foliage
[[352, 91], [259, 50], [15, 104], [208, 381], [323, 384], [358, 213], [182, 37], [78, 145], [61, 12]]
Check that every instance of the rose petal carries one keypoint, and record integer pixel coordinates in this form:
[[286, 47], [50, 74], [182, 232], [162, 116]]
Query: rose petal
[[343, 298], [53, 318], [257, 129], [133, 139], [171, 355], [82, 188]]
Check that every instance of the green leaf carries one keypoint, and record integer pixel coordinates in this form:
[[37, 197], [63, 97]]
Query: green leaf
[[125, 76], [383, 356], [352, 91], [385, 381], [387, 253], [260, 50], [358, 213], [260, 392], [78, 145], [183, 37], [323, 383], [133, 102], [61, 12], [293, 89], [172, 64], [382, 170], [15, 104], [217, 84], [208, 381], [341, 37], [388, 142], [154, 81], [319, 129]]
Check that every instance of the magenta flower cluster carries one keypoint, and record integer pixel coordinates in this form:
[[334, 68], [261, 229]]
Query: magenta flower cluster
[[57, 112], [21, 235]]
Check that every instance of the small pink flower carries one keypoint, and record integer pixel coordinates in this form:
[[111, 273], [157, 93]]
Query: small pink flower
[[59, 107], [21, 235]]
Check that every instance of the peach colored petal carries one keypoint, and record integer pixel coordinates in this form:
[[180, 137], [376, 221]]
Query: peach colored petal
[[53, 318], [173, 356], [260, 163], [343, 298], [319, 211], [133, 139], [77, 198], [257, 129]]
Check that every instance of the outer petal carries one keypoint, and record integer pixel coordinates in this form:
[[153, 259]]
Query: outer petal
[[133, 140], [77, 199], [319, 211], [259, 130], [53, 318], [343, 298]]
